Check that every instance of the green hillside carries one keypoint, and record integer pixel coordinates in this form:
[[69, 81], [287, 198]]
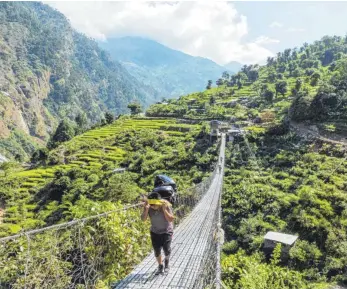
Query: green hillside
[[48, 71], [306, 83]]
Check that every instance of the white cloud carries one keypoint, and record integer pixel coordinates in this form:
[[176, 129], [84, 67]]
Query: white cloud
[[292, 29], [261, 40], [208, 29], [276, 24]]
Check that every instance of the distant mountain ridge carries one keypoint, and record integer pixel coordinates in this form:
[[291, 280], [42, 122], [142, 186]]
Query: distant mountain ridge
[[168, 71]]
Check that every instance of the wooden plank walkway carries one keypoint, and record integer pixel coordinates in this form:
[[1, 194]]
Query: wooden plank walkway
[[190, 242]]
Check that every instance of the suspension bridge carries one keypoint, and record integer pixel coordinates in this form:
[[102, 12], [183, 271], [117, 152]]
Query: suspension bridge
[[194, 262], [71, 255]]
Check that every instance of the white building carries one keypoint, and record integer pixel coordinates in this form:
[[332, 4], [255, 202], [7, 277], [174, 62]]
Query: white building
[[272, 238]]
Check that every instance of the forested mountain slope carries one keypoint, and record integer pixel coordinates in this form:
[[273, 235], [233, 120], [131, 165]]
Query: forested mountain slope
[[169, 71], [49, 71]]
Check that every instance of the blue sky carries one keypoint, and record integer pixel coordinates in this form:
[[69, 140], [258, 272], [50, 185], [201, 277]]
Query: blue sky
[[312, 20], [247, 32]]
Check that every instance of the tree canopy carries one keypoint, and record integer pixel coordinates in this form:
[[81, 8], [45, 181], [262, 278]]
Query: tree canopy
[[135, 108]]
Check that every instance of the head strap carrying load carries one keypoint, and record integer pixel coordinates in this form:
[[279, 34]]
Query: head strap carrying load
[[157, 202]]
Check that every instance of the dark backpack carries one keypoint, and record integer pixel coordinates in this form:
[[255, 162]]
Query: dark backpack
[[166, 192], [164, 180]]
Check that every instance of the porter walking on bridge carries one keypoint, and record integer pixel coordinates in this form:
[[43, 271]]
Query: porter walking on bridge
[[161, 216]]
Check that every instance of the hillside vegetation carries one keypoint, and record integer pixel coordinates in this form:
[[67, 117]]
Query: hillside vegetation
[[306, 83], [48, 71], [280, 182]]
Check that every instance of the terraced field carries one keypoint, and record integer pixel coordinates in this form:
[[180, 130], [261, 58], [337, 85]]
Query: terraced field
[[94, 148]]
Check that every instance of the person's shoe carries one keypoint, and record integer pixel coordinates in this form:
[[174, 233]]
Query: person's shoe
[[160, 270]]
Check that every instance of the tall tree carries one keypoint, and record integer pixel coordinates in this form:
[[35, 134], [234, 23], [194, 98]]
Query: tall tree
[[82, 123], [268, 94], [219, 82], [63, 133], [81, 120], [225, 75], [135, 108], [281, 87], [270, 61], [298, 84], [281, 68], [294, 53], [39, 156], [241, 78], [286, 54], [314, 78], [209, 84], [233, 80], [271, 76], [109, 117], [253, 75], [291, 67]]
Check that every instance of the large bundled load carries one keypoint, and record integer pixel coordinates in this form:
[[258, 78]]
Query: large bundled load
[[166, 187]]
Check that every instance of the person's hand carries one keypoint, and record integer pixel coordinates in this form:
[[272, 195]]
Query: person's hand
[[165, 205], [146, 205]]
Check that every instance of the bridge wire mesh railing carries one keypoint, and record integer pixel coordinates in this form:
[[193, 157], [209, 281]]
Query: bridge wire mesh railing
[[210, 271], [188, 198], [85, 253]]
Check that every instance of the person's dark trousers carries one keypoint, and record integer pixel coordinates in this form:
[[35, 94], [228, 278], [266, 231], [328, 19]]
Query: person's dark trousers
[[160, 241]]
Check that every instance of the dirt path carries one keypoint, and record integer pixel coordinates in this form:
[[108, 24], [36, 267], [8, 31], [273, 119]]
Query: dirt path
[[312, 130]]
